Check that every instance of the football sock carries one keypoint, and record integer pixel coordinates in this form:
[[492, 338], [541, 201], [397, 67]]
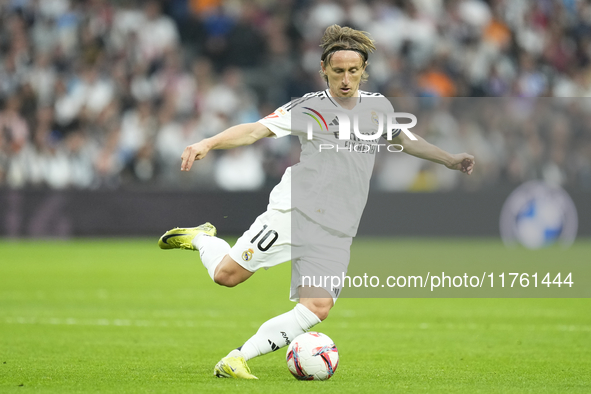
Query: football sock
[[235, 353], [212, 250], [279, 331]]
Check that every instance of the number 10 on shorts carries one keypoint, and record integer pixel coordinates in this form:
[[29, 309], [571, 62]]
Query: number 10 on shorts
[[267, 240]]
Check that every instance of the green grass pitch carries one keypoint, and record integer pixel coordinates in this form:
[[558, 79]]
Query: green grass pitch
[[123, 316]]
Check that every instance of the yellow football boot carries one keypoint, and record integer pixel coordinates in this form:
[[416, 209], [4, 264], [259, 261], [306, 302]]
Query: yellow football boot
[[180, 238], [233, 366]]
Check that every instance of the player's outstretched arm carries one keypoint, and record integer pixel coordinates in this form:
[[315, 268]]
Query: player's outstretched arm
[[424, 150], [240, 135]]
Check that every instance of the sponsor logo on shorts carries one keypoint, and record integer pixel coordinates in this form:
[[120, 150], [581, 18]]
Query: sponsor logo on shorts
[[247, 254]]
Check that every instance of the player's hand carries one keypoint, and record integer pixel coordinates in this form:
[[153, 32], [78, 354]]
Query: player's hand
[[193, 152], [462, 162]]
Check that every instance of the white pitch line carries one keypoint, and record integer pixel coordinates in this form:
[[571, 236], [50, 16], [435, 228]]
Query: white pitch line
[[471, 326], [72, 321]]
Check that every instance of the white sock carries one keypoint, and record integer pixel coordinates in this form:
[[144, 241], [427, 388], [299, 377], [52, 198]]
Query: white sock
[[212, 250], [279, 331], [235, 353]]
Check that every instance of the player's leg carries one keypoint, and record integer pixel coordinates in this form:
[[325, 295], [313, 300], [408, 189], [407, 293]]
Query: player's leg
[[317, 300], [213, 250], [313, 307], [229, 273], [253, 250], [281, 330], [221, 267], [267, 243], [271, 335]]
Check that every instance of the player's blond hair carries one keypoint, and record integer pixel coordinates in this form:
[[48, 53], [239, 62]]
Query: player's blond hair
[[337, 38]]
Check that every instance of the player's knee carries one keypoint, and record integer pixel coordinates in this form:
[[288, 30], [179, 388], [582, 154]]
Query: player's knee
[[320, 307], [229, 273], [322, 313], [225, 278]]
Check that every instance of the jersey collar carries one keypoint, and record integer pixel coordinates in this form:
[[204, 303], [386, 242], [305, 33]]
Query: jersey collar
[[329, 96]]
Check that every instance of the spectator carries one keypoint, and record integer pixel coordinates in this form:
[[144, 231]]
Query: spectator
[[157, 34], [102, 94]]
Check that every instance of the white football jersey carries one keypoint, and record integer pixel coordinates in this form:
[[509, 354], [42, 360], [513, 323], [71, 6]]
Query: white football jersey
[[330, 184]]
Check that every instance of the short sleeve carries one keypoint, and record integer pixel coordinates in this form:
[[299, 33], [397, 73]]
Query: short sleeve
[[279, 122]]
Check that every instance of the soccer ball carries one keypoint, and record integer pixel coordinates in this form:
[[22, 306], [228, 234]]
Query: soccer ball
[[538, 214], [539, 223], [312, 356]]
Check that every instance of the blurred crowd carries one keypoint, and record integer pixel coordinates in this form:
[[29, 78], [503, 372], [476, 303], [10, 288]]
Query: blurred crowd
[[106, 94]]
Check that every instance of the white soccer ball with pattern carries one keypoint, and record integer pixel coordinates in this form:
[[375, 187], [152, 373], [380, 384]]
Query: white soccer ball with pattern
[[312, 356], [539, 222], [537, 214]]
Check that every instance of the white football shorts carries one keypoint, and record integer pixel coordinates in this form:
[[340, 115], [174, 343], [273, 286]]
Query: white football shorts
[[317, 253]]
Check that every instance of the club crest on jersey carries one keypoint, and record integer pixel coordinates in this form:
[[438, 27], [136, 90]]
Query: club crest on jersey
[[374, 118], [247, 254]]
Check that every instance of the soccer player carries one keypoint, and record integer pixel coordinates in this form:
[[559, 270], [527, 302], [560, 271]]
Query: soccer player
[[313, 213]]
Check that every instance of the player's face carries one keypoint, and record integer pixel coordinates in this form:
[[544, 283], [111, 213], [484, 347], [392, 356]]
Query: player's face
[[344, 73]]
